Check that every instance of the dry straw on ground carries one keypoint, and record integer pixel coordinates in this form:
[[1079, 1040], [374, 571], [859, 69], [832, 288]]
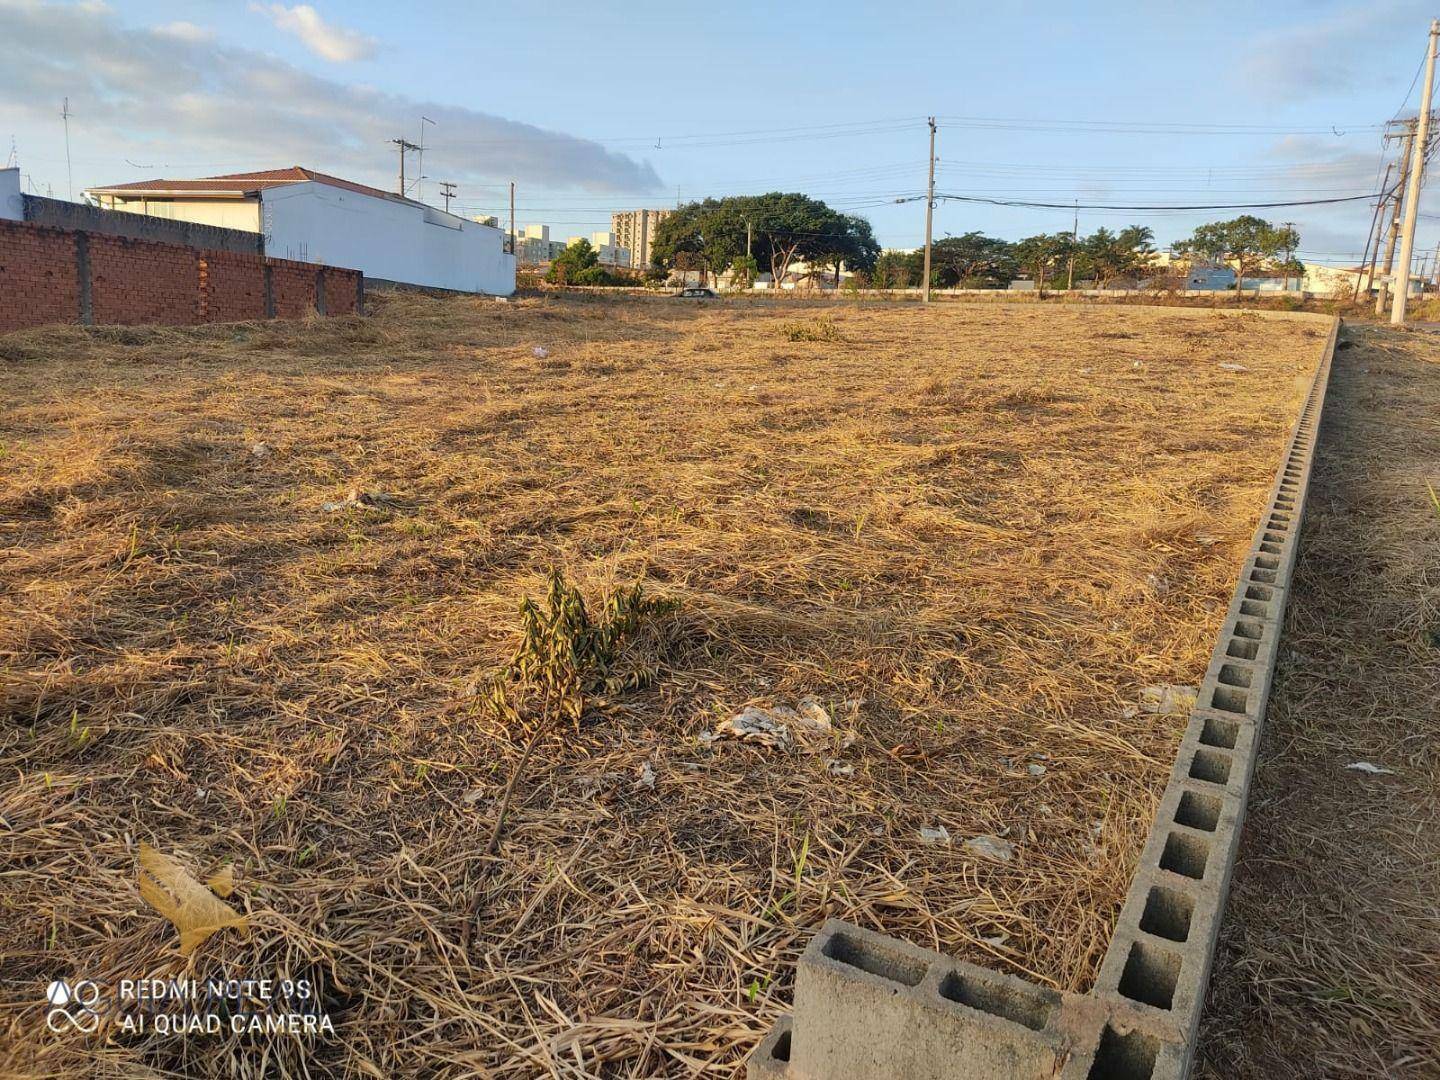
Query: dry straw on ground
[[973, 534]]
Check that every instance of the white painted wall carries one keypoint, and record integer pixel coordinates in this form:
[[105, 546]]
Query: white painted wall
[[385, 238], [12, 206]]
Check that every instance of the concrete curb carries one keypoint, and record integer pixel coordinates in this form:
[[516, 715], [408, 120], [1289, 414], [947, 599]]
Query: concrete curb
[[871, 1006]]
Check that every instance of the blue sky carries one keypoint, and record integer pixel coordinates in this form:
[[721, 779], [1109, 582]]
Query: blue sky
[[592, 107]]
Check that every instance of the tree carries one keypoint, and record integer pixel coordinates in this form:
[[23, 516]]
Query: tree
[[1038, 255], [743, 271], [1107, 255], [972, 261], [568, 265], [852, 245], [1246, 243], [894, 270], [783, 227]]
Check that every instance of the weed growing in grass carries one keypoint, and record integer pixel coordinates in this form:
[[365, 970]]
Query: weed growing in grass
[[811, 330], [565, 656]]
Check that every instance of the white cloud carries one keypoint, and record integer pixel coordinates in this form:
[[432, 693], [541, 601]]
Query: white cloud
[[192, 106], [186, 31], [328, 41]]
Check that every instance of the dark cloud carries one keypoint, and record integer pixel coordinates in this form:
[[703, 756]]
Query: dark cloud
[[174, 96]]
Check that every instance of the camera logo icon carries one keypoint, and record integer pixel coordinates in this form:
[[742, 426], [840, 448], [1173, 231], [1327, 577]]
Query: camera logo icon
[[73, 1006]]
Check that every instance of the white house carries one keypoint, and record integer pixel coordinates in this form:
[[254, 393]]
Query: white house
[[314, 217]]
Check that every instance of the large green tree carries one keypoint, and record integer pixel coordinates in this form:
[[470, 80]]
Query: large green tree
[[1246, 244], [1040, 254], [973, 261], [852, 245], [1106, 256], [782, 227], [895, 270]]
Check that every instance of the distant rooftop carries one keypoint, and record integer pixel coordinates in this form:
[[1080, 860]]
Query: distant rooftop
[[241, 184]]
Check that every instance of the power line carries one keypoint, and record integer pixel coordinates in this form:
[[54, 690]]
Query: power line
[[1150, 209]]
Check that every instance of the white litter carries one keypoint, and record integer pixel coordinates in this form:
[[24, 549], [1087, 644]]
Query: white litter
[[1233, 367], [935, 836], [752, 724], [1035, 770], [836, 768], [776, 726], [991, 847], [647, 776], [1371, 768]]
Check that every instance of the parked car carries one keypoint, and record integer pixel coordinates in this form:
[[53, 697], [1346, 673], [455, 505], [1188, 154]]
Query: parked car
[[695, 293]]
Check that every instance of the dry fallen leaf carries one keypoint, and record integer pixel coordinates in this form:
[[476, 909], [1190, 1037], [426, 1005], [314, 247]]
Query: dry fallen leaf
[[194, 909]]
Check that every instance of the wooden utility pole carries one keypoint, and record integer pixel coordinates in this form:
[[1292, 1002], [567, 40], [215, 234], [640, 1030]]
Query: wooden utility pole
[[1418, 146], [403, 144], [1285, 279], [513, 250], [929, 213], [1074, 244], [1372, 238], [447, 192], [1382, 294]]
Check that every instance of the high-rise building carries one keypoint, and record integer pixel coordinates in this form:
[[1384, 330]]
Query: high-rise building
[[635, 230]]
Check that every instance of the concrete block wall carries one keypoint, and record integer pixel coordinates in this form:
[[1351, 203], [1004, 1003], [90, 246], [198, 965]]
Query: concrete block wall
[[97, 221], [50, 275], [872, 1006]]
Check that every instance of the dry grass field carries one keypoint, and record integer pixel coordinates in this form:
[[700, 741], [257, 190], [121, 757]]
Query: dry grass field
[[972, 534]]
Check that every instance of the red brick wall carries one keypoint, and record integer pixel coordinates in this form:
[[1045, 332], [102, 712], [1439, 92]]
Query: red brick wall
[[342, 291], [39, 282], [232, 287], [292, 285], [140, 281], [136, 281]]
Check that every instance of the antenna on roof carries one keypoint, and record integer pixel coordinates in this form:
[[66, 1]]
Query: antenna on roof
[[420, 161], [65, 115]]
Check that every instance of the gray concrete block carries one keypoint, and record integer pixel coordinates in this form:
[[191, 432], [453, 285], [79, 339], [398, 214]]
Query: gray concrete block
[[877, 1007], [771, 1059]]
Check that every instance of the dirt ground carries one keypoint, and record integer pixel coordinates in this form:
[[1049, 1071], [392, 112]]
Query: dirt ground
[[256, 580], [1329, 961]]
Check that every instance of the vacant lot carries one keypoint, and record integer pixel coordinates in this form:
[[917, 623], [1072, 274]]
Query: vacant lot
[[255, 582]]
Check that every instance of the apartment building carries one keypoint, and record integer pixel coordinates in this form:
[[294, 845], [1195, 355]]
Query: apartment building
[[634, 230]]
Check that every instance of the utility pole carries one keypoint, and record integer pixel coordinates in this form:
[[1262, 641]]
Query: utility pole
[[65, 115], [420, 161], [512, 218], [1417, 164], [1074, 243], [929, 213], [1372, 238], [447, 192], [1382, 295], [404, 145], [1285, 270]]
